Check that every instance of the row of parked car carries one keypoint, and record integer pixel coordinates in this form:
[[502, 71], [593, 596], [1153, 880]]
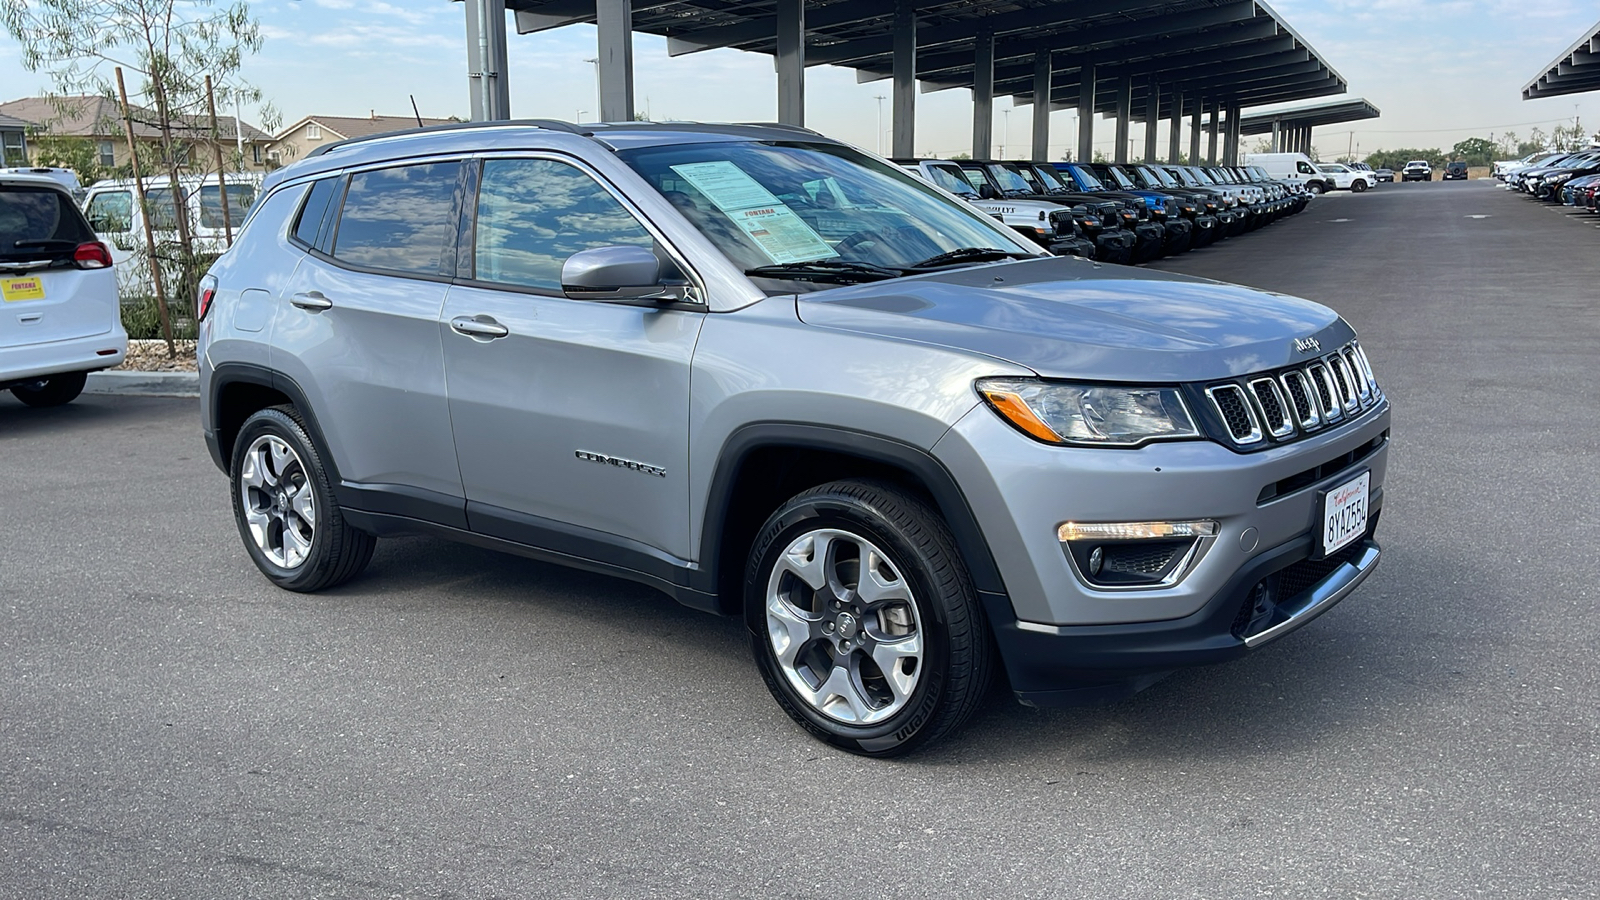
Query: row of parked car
[[1571, 178], [1125, 213]]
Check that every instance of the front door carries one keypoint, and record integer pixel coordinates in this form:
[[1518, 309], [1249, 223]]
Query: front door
[[570, 416]]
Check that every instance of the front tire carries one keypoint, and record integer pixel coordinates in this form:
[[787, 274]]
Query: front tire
[[863, 621], [284, 507], [56, 390], [1358, 185], [1314, 187]]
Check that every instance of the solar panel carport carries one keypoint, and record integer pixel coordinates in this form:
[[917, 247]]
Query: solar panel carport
[[1291, 128], [1573, 72], [1134, 60]]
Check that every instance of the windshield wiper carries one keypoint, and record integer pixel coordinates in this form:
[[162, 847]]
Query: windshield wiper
[[834, 270], [968, 254]]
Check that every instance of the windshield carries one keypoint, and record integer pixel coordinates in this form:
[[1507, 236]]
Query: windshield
[[1333, 168], [1048, 175], [1159, 176], [1201, 176], [950, 178], [1008, 180], [1087, 179], [159, 201], [1117, 178], [797, 204]]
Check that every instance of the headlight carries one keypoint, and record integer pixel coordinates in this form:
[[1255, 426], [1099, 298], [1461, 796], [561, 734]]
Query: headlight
[[1091, 415]]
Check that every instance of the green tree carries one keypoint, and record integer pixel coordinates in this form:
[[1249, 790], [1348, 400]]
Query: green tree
[[1397, 159], [1474, 151], [169, 47]]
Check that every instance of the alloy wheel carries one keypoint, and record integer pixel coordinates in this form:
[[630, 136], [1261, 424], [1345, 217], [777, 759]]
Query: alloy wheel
[[279, 504], [844, 627]]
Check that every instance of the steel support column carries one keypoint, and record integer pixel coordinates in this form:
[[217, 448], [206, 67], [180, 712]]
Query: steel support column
[[1086, 78], [905, 79], [790, 61], [1276, 136], [1211, 136], [614, 33], [1041, 107], [1152, 119], [1235, 136], [983, 96], [1124, 117], [1194, 133], [1174, 140], [486, 60]]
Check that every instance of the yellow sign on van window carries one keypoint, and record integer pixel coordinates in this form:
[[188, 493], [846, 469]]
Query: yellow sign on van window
[[14, 289]]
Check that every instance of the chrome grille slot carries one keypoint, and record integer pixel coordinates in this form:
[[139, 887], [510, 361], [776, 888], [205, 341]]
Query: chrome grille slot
[[1299, 390], [1347, 387], [1274, 412], [1329, 402], [1363, 384], [1237, 413]]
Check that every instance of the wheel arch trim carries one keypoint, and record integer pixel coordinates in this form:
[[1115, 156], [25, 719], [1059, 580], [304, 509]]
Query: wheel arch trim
[[920, 464]]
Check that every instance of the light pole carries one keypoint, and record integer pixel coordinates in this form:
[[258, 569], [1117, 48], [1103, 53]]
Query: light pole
[[596, 62], [1006, 138], [880, 99], [581, 114]]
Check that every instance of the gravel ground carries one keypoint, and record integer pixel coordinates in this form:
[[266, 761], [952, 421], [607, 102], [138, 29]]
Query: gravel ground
[[151, 356]]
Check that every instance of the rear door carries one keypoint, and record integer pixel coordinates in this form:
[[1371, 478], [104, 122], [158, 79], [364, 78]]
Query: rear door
[[572, 424], [45, 296]]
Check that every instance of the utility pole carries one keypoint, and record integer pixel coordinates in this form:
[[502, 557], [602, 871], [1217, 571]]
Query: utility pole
[[1006, 138]]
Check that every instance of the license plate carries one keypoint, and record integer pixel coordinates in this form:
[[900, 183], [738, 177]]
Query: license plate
[[14, 289], [1344, 513]]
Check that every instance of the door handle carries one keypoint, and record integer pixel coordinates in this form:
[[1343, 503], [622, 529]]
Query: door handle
[[479, 327], [312, 300]]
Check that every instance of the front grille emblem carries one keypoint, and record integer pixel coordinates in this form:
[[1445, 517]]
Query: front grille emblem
[[1308, 345]]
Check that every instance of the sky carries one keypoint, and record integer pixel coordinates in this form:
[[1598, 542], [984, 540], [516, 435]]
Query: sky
[[1440, 71]]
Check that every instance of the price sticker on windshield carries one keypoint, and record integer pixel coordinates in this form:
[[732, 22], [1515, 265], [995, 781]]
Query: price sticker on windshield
[[14, 289], [775, 228]]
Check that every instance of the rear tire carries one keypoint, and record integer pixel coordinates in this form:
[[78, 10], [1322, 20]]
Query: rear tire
[[56, 390], [880, 665], [283, 504]]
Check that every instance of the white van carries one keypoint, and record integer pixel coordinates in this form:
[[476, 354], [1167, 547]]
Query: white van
[[1296, 168], [116, 218]]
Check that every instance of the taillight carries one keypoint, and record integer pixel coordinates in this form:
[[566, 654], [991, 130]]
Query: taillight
[[208, 292], [92, 255]]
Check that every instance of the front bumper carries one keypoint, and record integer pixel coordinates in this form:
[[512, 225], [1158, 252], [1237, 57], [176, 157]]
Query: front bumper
[[1064, 640]]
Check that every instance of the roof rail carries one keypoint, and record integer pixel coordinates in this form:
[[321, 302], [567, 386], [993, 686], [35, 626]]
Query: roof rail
[[785, 126], [546, 124]]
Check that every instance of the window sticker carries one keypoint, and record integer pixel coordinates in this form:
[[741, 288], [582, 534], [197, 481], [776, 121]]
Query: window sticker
[[781, 234]]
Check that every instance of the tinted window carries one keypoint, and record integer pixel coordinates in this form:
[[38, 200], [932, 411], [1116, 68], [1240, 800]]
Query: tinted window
[[111, 212], [311, 215], [534, 213], [43, 220], [399, 218], [240, 196]]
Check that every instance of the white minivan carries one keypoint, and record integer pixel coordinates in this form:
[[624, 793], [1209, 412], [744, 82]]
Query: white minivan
[[1296, 168], [115, 216], [59, 318]]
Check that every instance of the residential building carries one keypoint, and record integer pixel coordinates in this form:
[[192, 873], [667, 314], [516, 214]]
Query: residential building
[[306, 135], [13, 142], [100, 119]]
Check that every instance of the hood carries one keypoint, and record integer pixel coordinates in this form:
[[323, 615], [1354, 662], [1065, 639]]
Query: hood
[[1070, 318]]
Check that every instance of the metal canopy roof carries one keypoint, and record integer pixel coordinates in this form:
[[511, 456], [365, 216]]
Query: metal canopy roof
[[1226, 52], [1575, 71], [1308, 116]]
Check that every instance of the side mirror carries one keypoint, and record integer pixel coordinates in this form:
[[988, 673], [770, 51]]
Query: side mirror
[[987, 192], [620, 273]]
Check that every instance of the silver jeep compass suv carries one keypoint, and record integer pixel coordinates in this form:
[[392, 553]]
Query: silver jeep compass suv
[[778, 378]]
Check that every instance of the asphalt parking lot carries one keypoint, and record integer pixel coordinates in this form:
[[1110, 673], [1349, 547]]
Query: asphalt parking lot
[[457, 723]]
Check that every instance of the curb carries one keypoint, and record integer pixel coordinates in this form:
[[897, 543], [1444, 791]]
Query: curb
[[144, 384]]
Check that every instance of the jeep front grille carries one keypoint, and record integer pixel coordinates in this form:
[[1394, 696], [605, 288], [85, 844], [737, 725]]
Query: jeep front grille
[[1292, 402]]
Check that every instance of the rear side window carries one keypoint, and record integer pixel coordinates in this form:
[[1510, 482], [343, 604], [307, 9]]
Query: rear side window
[[534, 213], [399, 219], [111, 212], [38, 222], [307, 226]]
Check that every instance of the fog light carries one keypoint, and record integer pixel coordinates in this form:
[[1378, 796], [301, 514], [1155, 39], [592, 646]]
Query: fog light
[[1097, 558], [1135, 531]]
